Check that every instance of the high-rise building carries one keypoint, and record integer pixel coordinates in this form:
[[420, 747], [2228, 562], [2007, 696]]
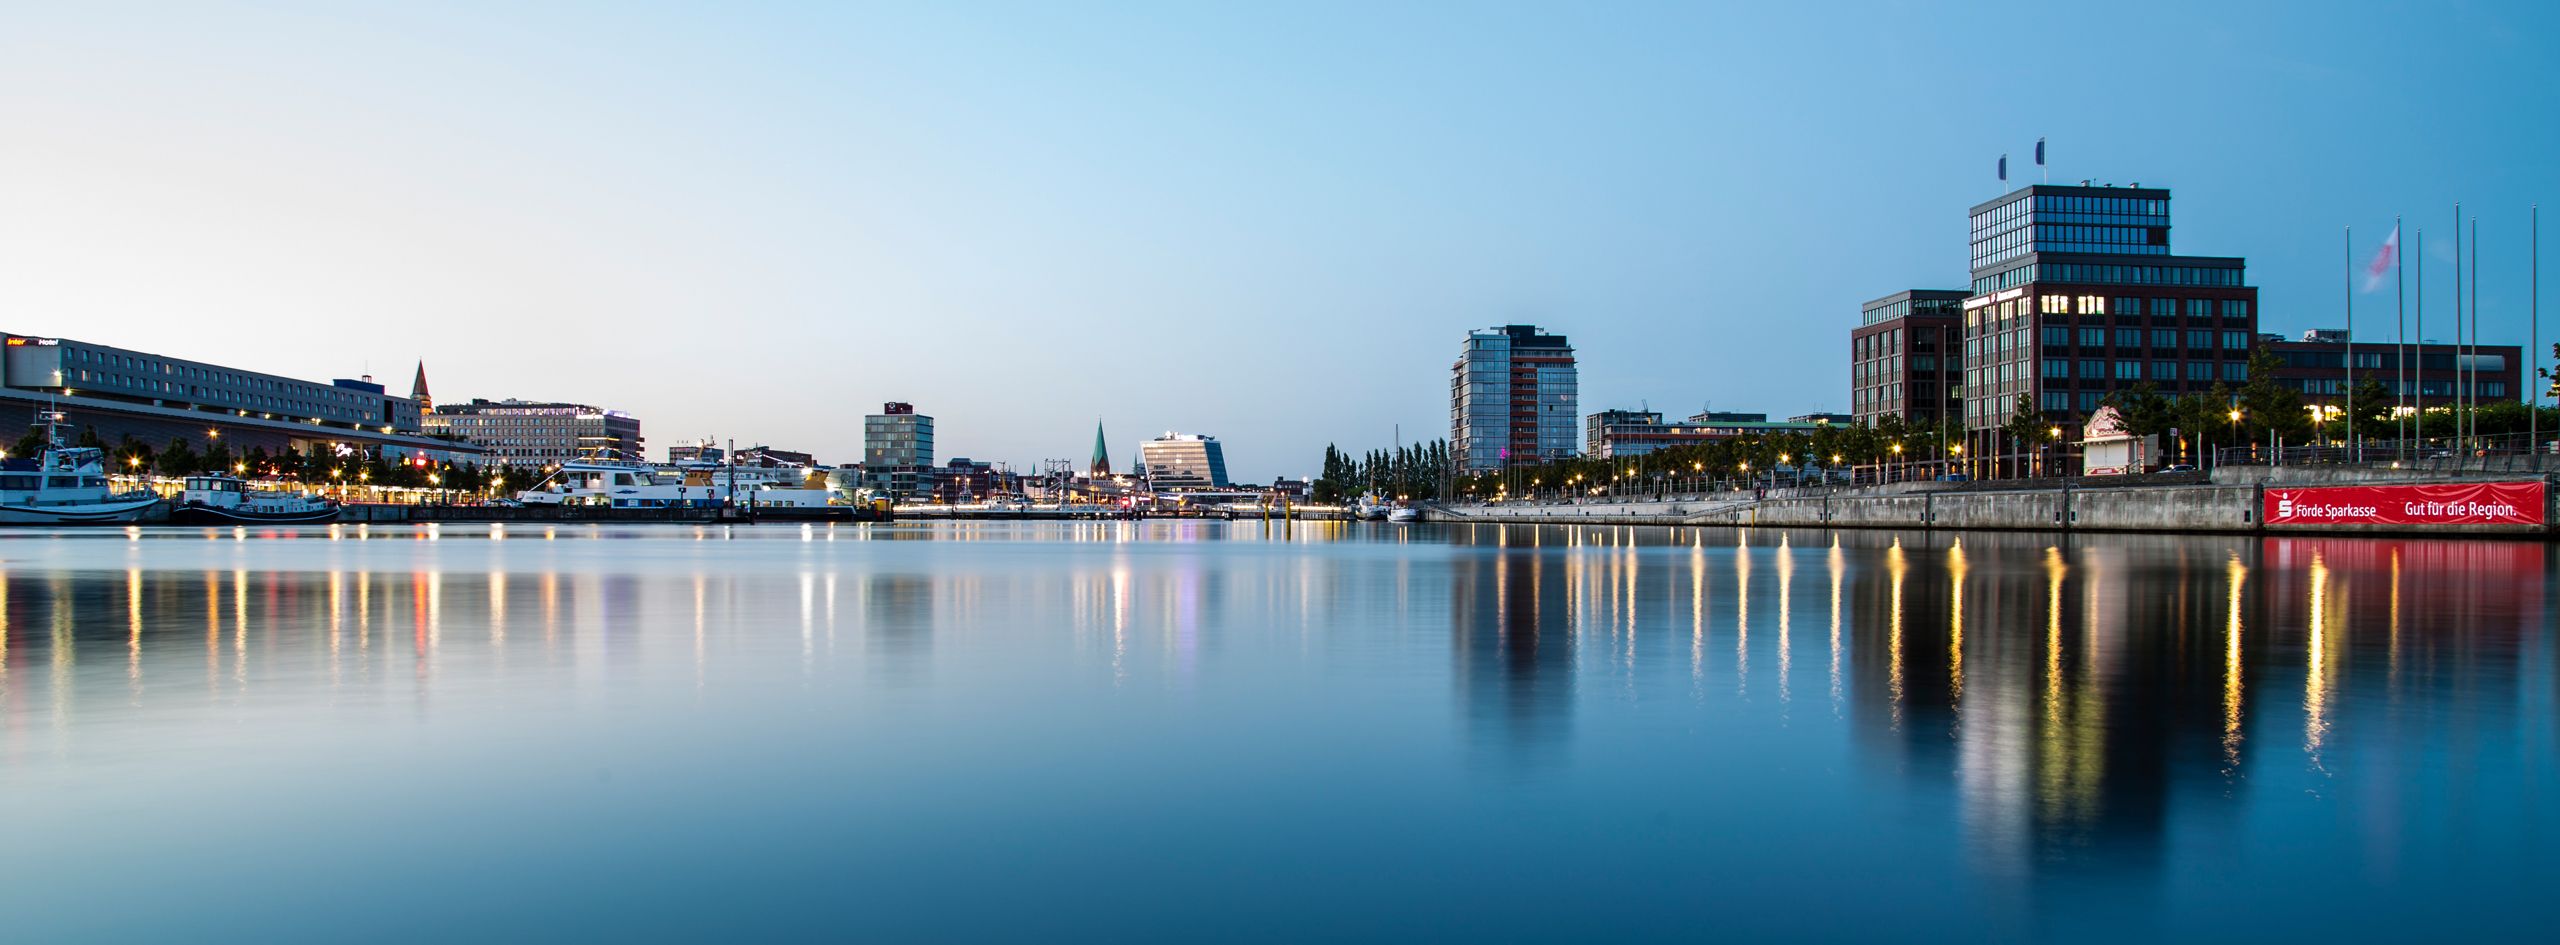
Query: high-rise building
[[1513, 399], [897, 451], [2076, 295], [523, 433], [1184, 461], [1906, 357]]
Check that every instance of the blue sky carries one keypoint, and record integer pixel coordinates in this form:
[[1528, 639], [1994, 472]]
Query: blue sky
[[1274, 225]]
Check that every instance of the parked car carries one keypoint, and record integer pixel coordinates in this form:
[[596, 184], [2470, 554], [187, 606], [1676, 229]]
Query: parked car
[[2179, 467], [1955, 477]]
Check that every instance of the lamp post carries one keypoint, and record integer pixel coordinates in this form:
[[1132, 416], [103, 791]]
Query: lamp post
[[2235, 422], [2052, 437]]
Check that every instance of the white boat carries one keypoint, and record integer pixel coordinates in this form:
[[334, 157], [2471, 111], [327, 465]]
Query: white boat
[[1405, 514], [66, 485], [625, 485], [217, 499], [1369, 508]]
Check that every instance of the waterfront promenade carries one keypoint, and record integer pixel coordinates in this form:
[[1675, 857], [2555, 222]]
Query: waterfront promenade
[[2229, 500]]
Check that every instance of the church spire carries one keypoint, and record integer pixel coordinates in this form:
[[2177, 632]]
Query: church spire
[[418, 391], [1101, 467]]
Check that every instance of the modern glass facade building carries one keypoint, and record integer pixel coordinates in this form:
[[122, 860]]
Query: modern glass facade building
[[2076, 294], [897, 451], [1906, 357], [1184, 461], [1513, 399]]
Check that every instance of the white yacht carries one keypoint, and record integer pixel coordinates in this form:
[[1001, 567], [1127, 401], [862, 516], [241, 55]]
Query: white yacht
[[217, 499], [66, 485]]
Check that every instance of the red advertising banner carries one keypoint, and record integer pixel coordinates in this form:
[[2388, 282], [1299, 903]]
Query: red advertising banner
[[2468, 503]]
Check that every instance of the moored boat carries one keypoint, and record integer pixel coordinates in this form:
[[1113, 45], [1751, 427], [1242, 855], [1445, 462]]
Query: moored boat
[[66, 485], [217, 499]]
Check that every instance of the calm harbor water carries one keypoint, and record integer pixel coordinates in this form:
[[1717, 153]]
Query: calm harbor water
[[1218, 732]]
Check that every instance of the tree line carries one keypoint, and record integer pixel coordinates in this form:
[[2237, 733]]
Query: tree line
[[1412, 472]]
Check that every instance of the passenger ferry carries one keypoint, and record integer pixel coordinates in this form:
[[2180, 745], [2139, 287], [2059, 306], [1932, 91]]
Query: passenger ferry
[[217, 499], [66, 485], [626, 485]]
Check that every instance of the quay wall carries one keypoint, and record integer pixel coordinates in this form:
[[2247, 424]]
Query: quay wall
[[2204, 507]]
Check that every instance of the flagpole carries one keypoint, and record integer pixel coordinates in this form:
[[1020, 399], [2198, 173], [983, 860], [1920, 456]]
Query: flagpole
[[2400, 344], [2347, 394]]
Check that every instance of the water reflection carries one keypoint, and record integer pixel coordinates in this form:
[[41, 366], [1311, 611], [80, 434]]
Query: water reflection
[[1511, 628], [2074, 711]]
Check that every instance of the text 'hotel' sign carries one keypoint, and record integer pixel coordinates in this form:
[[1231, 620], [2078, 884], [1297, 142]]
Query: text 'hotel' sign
[[2481, 503]]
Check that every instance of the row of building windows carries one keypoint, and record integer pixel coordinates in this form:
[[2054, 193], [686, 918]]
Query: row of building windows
[[2056, 336], [2102, 369], [2101, 274]]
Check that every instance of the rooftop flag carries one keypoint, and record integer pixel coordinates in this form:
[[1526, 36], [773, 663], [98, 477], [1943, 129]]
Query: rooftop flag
[[2004, 167], [2383, 259], [2039, 152]]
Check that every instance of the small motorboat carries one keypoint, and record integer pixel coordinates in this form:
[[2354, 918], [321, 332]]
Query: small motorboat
[[1404, 514], [217, 499]]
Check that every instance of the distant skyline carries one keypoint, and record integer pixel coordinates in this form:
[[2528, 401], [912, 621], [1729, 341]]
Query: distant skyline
[[1274, 226]]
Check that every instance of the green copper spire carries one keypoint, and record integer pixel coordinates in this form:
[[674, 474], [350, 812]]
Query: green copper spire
[[1101, 466]]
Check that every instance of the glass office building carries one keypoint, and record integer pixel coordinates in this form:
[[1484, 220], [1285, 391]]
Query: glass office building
[[897, 451], [1184, 461], [2076, 294]]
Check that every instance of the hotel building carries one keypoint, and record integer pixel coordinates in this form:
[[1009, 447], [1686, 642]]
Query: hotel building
[[527, 434], [116, 393]]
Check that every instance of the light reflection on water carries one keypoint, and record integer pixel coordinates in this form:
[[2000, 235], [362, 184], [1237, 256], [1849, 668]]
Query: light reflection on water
[[1178, 730]]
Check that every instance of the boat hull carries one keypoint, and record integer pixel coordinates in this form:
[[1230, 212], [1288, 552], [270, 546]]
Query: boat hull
[[104, 513], [207, 515]]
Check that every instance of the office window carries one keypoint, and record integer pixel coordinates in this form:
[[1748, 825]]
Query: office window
[[2056, 336], [2164, 337], [2089, 401], [2093, 369], [2128, 337], [2128, 370], [2057, 367], [2200, 308], [2235, 371], [2093, 337], [2199, 370], [2199, 340], [2235, 308], [2123, 307], [2164, 307], [2055, 400], [2235, 340], [2164, 370]]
